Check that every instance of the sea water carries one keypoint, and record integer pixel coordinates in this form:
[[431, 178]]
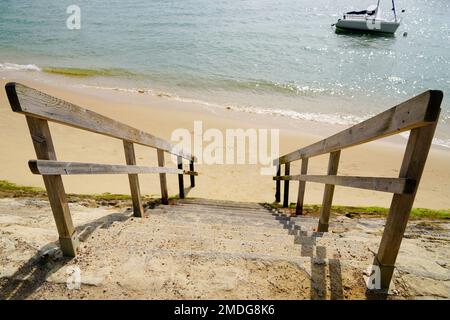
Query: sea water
[[279, 57]]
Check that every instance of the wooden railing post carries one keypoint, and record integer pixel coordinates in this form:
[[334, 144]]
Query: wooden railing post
[[191, 168], [130, 158], [301, 188], [278, 184], [416, 153], [287, 167], [43, 146], [180, 177], [328, 192], [162, 178]]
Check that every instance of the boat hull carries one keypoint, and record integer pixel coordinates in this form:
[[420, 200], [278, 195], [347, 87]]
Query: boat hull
[[368, 25]]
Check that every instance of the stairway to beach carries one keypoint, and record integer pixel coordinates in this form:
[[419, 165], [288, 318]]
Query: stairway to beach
[[221, 249], [196, 248]]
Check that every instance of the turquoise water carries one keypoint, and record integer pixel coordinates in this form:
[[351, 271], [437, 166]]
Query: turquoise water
[[268, 56]]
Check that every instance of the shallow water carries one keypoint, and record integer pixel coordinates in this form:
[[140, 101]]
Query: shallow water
[[277, 57]]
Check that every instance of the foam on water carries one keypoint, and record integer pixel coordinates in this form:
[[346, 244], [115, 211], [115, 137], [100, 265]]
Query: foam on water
[[18, 67]]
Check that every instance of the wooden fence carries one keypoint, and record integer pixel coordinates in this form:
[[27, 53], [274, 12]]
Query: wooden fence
[[39, 108], [418, 115]]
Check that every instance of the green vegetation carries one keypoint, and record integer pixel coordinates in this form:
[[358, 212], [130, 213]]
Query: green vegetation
[[9, 189], [416, 213], [12, 190], [80, 72], [9, 186]]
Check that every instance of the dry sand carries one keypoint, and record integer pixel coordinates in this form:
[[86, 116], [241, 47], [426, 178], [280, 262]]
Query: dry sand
[[160, 116]]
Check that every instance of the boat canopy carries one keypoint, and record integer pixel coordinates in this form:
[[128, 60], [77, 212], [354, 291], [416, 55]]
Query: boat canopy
[[368, 12]]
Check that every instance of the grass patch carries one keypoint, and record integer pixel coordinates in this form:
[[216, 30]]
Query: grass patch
[[350, 211], [12, 190], [9, 186]]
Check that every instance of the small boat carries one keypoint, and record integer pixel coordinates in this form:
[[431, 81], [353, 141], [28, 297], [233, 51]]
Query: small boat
[[368, 20]]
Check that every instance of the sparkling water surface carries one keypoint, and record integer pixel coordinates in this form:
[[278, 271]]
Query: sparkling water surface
[[267, 56]]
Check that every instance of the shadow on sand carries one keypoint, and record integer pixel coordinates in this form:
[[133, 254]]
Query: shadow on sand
[[48, 260], [320, 263]]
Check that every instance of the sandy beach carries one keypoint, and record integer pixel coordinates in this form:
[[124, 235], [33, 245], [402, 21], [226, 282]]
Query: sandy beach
[[160, 115]]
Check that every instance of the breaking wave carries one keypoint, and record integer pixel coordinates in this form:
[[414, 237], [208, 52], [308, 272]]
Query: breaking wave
[[18, 67]]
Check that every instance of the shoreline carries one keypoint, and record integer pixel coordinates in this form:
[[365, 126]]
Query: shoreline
[[227, 182], [315, 111]]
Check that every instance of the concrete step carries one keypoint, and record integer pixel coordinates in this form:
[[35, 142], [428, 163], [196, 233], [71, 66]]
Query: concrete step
[[164, 253], [163, 237], [163, 223], [251, 213], [220, 203], [198, 215], [193, 217], [216, 231], [164, 273], [255, 214]]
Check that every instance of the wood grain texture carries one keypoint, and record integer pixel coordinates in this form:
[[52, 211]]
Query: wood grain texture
[[38, 104], [162, 178], [301, 188], [382, 184], [414, 113], [192, 177], [130, 157], [325, 210], [180, 178], [43, 146], [47, 168], [287, 168], [414, 160], [278, 185]]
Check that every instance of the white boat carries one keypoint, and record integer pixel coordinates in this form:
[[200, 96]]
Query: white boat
[[368, 20]]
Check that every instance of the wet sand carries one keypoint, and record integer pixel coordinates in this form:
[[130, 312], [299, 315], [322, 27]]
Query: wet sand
[[160, 116]]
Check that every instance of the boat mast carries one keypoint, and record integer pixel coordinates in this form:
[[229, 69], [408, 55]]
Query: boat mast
[[378, 5], [393, 8]]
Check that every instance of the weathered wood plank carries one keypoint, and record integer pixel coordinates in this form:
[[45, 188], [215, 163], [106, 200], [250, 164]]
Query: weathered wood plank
[[301, 187], [180, 178], [417, 149], [162, 178], [190, 173], [130, 157], [287, 168], [414, 113], [278, 184], [391, 185], [191, 169], [328, 193], [38, 104], [48, 168], [43, 146]]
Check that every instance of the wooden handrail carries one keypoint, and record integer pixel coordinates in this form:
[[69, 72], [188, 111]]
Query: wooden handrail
[[391, 185], [414, 113], [40, 105], [418, 115], [39, 108], [49, 168]]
